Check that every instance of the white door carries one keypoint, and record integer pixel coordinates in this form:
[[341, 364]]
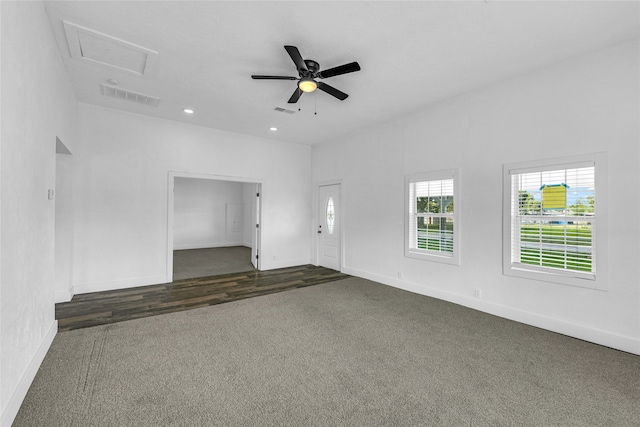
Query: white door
[[329, 226], [234, 223], [255, 237]]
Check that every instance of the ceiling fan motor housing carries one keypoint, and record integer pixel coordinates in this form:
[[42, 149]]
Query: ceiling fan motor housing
[[312, 66]]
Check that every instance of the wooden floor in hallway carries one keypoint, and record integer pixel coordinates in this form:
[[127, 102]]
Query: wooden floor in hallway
[[101, 308]]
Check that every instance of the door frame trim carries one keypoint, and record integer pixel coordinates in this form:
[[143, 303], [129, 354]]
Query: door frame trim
[[314, 221], [170, 209]]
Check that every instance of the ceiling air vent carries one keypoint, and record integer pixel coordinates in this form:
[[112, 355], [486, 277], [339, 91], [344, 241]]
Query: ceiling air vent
[[128, 95], [100, 49], [284, 110]]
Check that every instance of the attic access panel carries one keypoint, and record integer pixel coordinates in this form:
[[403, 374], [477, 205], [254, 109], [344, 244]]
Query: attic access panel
[[97, 48]]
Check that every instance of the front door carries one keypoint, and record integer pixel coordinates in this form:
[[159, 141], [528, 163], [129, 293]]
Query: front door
[[329, 226]]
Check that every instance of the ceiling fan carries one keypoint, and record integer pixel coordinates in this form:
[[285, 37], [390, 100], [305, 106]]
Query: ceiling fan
[[309, 71]]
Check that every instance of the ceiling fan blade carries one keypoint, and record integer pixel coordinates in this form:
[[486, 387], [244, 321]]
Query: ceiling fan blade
[[294, 53], [258, 77], [342, 69], [332, 91], [296, 95]]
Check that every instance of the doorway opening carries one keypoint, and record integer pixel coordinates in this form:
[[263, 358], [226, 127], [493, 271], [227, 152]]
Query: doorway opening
[[64, 226], [213, 225]]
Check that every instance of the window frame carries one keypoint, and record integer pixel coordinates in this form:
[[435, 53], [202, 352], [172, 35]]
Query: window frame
[[593, 280], [426, 254]]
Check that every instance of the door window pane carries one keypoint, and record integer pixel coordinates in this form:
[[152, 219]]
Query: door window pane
[[331, 215]]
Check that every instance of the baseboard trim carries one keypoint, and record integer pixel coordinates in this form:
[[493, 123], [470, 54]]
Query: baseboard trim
[[564, 327], [207, 246], [86, 288], [20, 392]]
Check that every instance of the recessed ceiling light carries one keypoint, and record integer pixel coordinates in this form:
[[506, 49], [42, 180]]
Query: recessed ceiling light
[[272, 128], [188, 111]]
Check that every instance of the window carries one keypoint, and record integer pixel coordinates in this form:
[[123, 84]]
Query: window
[[432, 225], [552, 213], [331, 215]]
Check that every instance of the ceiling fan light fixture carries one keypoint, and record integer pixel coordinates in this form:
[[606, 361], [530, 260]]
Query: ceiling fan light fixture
[[307, 85]]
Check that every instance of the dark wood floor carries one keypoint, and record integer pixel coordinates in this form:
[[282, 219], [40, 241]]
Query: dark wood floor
[[100, 308]]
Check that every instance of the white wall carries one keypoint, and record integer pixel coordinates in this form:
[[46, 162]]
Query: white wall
[[200, 213], [121, 177], [38, 105], [585, 105]]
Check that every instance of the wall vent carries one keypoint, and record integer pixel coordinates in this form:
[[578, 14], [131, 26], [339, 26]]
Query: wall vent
[[100, 49], [128, 95], [284, 110]]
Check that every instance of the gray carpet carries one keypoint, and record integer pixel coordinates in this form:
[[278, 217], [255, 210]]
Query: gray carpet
[[346, 353], [192, 263]]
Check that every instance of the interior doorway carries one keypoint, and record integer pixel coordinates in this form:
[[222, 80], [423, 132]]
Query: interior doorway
[[213, 225], [64, 226]]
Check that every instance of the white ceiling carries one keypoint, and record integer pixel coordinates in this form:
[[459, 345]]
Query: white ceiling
[[412, 54]]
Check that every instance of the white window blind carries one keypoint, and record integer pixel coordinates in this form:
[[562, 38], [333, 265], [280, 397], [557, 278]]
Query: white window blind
[[553, 219], [432, 222]]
